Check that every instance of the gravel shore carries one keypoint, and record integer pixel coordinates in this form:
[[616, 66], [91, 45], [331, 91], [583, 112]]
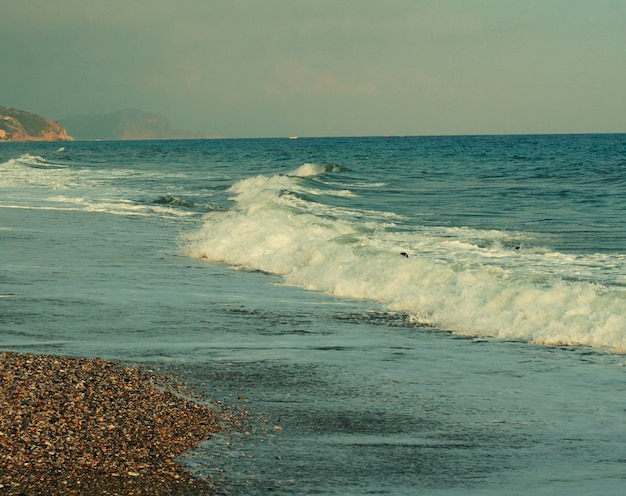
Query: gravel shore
[[94, 427]]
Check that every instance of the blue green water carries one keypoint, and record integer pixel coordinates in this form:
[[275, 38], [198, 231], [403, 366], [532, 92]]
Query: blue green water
[[488, 361]]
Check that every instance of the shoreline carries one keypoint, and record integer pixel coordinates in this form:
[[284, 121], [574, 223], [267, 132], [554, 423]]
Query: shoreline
[[92, 426]]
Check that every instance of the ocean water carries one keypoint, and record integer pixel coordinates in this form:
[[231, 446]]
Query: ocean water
[[398, 315]]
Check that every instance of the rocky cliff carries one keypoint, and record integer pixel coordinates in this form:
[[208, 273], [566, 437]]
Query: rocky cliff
[[127, 124], [18, 125]]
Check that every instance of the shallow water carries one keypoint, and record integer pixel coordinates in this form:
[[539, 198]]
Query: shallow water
[[407, 413]]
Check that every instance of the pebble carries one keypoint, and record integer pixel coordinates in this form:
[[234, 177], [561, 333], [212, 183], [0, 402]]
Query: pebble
[[96, 427]]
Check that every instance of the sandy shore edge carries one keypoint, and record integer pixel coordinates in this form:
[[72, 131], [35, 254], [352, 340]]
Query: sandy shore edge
[[92, 426]]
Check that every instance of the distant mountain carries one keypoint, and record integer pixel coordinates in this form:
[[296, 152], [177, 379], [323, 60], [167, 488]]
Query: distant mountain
[[18, 125], [126, 124]]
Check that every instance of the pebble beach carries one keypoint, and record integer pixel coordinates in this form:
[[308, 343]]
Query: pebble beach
[[91, 426]]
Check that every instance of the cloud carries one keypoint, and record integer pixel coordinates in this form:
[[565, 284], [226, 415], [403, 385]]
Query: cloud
[[295, 78], [417, 66]]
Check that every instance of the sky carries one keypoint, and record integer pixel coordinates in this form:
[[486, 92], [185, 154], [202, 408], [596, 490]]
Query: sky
[[263, 68]]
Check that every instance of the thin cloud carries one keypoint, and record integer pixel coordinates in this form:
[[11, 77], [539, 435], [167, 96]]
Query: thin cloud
[[295, 78]]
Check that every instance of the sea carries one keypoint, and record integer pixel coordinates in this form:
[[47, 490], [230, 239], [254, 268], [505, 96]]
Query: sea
[[439, 315]]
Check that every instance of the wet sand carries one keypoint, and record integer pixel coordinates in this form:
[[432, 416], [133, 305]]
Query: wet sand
[[90, 426]]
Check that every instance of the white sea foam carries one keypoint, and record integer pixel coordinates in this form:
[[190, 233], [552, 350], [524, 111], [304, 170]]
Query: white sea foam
[[466, 281], [32, 170], [308, 170], [34, 183], [35, 161]]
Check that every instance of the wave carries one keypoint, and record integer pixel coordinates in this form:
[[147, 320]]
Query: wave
[[310, 169], [470, 282], [33, 170], [33, 161], [174, 200], [36, 183]]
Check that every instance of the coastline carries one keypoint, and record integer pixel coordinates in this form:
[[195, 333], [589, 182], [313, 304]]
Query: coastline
[[92, 426]]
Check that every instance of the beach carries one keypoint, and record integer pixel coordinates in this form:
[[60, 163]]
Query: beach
[[268, 275], [91, 426]]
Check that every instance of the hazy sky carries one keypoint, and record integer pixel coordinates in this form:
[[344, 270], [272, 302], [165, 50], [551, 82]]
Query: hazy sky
[[323, 67]]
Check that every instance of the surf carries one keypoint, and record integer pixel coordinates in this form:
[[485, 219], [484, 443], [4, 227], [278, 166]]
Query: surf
[[466, 281]]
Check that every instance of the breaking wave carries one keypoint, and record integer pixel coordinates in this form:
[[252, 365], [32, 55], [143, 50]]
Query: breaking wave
[[467, 281]]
